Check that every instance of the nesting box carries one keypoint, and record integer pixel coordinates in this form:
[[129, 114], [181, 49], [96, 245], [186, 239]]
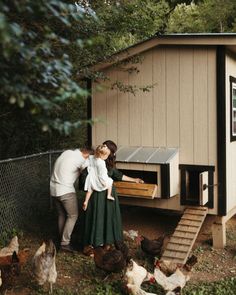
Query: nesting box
[[157, 167]]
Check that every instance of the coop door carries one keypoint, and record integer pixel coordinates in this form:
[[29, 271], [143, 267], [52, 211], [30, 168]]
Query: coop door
[[203, 188]]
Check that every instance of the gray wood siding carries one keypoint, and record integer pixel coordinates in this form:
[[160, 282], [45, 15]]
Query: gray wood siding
[[179, 111], [230, 146]]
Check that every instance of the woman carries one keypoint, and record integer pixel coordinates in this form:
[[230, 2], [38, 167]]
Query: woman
[[103, 224]]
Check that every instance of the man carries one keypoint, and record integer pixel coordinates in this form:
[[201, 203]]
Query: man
[[65, 172]]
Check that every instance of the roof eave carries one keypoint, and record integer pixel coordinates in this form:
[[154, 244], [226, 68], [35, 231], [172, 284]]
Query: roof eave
[[227, 39]]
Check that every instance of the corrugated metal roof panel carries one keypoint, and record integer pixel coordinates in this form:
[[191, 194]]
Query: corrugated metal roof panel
[[147, 155]]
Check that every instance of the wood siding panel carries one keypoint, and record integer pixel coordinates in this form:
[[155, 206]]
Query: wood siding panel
[[159, 96], [99, 112], [186, 106], [200, 107], [123, 111], [147, 100], [172, 96], [93, 95], [135, 109], [112, 111], [212, 120]]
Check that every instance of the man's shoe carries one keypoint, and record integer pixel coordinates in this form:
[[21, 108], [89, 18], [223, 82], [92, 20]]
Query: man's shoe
[[67, 248]]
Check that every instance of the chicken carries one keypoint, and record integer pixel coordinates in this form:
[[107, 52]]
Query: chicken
[[136, 290], [13, 246], [174, 281], [120, 245], [132, 234], [21, 257], [44, 264], [172, 293], [167, 267], [190, 262], [152, 247], [10, 268], [109, 260], [137, 274]]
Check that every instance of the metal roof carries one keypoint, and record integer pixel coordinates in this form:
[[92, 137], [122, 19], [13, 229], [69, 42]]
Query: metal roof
[[146, 155]]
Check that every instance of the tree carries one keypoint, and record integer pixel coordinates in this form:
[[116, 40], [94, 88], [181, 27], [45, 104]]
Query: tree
[[185, 19], [213, 16], [37, 72]]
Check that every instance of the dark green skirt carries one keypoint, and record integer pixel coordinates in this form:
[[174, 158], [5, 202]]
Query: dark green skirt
[[102, 220]]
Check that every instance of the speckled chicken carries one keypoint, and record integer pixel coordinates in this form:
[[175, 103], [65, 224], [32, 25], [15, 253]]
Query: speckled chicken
[[44, 264], [110, 260], [152, 247]]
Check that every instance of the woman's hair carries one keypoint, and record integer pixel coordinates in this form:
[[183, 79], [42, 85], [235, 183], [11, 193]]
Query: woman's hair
[[101, 150], [110, 161]]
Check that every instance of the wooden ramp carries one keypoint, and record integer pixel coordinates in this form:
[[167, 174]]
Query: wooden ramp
[[182, 241]]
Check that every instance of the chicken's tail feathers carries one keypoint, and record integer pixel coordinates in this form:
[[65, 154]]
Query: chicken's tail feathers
[[14, 257]]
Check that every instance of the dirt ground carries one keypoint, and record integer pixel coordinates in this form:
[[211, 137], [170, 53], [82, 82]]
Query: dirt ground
[[77, 272], [212, 265]]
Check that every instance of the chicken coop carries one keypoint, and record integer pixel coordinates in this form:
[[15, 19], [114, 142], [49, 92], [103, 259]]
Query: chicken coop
[[170, 105]]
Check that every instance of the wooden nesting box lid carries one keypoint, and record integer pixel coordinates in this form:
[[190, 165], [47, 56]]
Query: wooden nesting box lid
[[137, 190]]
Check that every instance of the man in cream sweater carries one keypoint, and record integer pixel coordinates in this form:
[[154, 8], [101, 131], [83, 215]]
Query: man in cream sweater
[[65, 172]]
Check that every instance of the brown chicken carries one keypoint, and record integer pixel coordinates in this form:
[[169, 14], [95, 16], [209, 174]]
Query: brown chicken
[[190, 262], [10, 267], [152, 247], [122, 246], [166, 266], [10, 248], [44, 264], [109, 260]]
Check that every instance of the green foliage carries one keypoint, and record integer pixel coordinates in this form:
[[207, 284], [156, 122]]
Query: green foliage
[[185, 19], [213, 16], [6, 236], [37, 73], [121, 24], [223, 287]]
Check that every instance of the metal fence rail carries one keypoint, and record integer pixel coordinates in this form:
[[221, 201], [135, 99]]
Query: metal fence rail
[[24, 189]]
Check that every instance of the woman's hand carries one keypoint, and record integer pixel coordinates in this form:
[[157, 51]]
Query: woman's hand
[[138, 180], [131, 179]]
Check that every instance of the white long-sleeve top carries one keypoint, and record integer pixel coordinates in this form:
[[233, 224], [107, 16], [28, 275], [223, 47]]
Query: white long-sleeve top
[[65, 172], [97, 178]]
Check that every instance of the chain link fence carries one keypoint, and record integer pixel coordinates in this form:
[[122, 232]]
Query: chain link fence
[[24, 190]]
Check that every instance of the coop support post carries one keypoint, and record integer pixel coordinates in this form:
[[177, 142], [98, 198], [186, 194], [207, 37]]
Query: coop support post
[[219, 234]]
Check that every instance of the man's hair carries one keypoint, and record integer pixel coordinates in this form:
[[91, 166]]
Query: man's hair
[[87, 150]]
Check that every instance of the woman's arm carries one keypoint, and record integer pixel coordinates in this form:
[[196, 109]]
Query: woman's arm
[[131, 179]]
